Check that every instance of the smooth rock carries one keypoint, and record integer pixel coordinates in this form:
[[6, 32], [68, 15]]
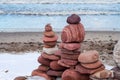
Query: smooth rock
[[70, 46], [69, 62], [50, 44], [49, 56], [92, 65], [50, 39], [89, 57], [70, 56], [54, 73], [20, 78], [37, 72], [73, 19], [44, 61], [43, 68], [84, 70], [49, 34], [71, 74], [55, 66], [73, 33], [48, 28]]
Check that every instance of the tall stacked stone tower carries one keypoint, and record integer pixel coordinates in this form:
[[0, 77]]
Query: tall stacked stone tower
[[49, 67]]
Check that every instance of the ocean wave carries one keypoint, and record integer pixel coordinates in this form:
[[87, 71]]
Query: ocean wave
[[58, 1], [62, 13], [59, 9]]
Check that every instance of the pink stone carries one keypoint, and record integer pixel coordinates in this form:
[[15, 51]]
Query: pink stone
[[89, 57], [50, 39], [20, 78], [69, 62], [60, 62], [71, 74], [48, 27], [49, 34], [44, 61], [58, 53], [37, 72], [43, 68], [70, 56], [50, 44], [70, 46], [83, 70], [50, 56], [92, 65], [73, 33], [54, 73], [55, 66], [65, 51]]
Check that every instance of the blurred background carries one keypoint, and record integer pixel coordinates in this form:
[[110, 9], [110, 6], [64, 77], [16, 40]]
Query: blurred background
[[33, 15]]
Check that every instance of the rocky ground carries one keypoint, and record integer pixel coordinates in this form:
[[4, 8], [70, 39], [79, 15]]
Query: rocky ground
[[105, 48]]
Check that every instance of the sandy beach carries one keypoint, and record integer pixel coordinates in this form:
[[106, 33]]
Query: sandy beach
[[32, 41], [26, 37], [17, 42]]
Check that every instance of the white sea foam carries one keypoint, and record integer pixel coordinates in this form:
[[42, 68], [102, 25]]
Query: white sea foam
[[60, 9], [60, 1], [62, 13]]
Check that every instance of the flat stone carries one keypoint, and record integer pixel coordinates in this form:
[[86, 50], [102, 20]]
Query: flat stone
[[55, 66], [50, 39], [70, 46], [71, 74], [49, 56], [84, 70], [92, 65], [54, 73], [20, 78], [44, 61], [49, 34]]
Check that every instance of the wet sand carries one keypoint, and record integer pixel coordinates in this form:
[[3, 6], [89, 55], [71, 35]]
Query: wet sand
[[8, 37]]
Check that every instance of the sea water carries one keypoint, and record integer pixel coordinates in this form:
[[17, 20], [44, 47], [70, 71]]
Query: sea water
[[33, 16]]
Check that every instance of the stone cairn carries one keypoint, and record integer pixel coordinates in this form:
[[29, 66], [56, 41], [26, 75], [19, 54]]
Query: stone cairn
[[72, 36], [49, 68], [67, 61]]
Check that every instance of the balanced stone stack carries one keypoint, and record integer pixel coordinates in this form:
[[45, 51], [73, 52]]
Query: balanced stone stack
[[49, 67], [72, 36], [89, 62], [91, 65]]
